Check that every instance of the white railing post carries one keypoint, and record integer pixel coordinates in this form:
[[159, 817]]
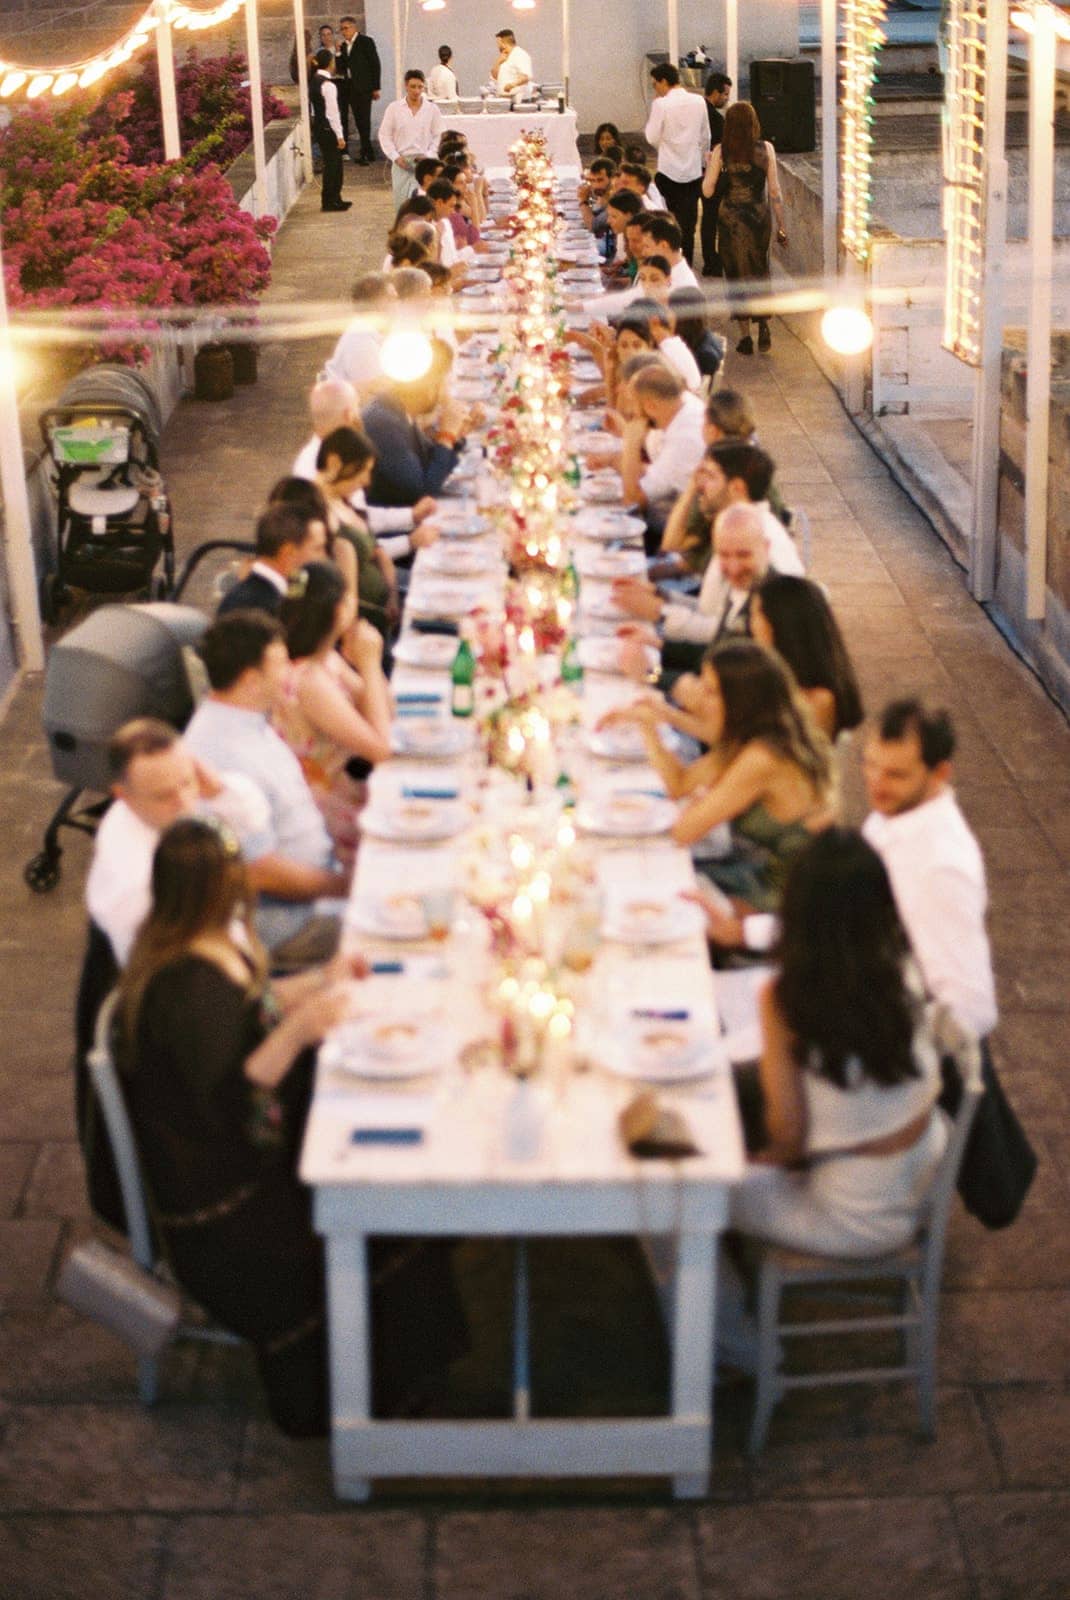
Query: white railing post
[[1038, 339], [830, 182], [165, 66], [256, 99], [302, 89], [731, 44], [18, 534]]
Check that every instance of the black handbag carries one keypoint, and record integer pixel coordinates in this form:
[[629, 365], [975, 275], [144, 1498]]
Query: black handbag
[[998, 1164]]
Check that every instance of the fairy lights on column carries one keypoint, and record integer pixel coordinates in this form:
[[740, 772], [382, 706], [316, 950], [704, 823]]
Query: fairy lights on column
[[863, 38], [964, 177]]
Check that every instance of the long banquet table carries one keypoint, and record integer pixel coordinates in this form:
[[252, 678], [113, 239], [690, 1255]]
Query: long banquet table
[[461, 1173]]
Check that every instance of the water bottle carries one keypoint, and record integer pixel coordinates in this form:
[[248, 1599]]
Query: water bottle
[[463, 673]]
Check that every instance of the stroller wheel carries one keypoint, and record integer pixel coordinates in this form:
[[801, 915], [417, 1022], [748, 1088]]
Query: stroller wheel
[[53, 598], [41, 872]]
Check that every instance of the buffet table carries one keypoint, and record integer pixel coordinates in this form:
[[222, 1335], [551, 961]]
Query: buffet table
[[491, 134]]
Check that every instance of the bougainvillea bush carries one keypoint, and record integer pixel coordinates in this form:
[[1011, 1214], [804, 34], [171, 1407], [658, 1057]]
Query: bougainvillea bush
[[87, 225], [214, 109]]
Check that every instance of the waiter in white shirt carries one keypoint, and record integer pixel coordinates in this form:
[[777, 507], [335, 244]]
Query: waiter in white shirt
[[512, 70], [410, 130], [679, 130]]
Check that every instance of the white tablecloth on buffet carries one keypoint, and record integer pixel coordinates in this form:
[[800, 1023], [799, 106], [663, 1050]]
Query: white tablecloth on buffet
[[491, 135]]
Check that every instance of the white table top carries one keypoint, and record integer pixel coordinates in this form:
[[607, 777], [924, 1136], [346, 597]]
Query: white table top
[[461, 1171], [491, 135]]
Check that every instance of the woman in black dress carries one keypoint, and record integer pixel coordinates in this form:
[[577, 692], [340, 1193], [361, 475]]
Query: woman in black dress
[[217, 1074], [742, 170]]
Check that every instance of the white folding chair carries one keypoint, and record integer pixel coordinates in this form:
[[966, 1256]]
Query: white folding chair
[[138, 1225], [917, 1270]]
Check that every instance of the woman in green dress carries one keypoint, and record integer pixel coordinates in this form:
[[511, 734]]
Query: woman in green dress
[[742, 170]]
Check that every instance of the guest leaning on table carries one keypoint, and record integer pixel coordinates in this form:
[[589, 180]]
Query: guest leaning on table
[[850, 1074], [216, 1064], [792, 616], [768, 772]]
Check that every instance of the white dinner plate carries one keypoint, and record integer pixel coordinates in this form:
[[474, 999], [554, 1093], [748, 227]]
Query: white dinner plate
[[601, 653], [414, 821], [652, 919], [386, 1048], [393, 916], [610, 564], [434, 737], [460, 560], [432, 650], [626, 816], [593, 523], [663, 1052], [621, 741], [602, 488], [474, 389], [595, 441], [440, 598], [603, 607]]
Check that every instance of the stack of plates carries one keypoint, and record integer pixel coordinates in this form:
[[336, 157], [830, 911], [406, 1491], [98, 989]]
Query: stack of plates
[[413, 821], [431, 737], [626, 815]]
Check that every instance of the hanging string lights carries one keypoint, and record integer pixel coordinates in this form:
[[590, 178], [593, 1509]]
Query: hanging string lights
[[863, 38], [964, 177], [60, 80]]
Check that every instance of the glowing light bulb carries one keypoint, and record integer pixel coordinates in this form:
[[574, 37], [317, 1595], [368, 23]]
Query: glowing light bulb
[[65, 81], [12, 81], [406, 355], [433, 5], [847, 329], [90, 74], [38, 85]]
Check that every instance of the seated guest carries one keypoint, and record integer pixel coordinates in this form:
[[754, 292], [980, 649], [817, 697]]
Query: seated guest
[[637, 178], [462, 218], [594, 193], [399, 530], [355, 358], [733, 473], [667, 342], [291, 863], [608, 143], [337, 702], [217, 1072], [154, 781], [850, 1073], [768, 771], [663, 234], [665, 404], [447, 205], [285, 540], [622, 208], [411, 460], [425, 172], [652, 279], [688, 306], [344, 468], [792, 616], [405, 249], [932, 858]]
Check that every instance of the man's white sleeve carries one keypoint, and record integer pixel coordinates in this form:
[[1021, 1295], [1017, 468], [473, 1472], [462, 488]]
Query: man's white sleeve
[[653, 123], [386, 135], [330, 108]]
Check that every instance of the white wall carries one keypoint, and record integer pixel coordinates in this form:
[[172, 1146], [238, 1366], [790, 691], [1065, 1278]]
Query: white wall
[[609, 41]]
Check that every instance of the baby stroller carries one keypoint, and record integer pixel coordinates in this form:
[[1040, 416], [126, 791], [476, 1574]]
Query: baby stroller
[[113, 512]]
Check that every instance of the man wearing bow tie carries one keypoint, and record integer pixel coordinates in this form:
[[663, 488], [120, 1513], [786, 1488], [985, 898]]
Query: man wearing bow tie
[[357, 65]]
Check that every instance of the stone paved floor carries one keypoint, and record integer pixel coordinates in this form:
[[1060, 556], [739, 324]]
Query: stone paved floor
[[202, 1500]]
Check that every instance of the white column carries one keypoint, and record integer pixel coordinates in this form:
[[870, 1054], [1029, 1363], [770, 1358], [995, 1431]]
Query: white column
[[674, 32], [1038, 337], [398, 68], [165, 66], [731, 43], [256, 97], [18, 538], [302, 88], [984, 522], [566, 48], [829, 136]]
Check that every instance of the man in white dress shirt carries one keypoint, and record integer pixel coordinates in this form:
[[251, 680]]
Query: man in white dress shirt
[[663, 402], [662, 236], [679, 130], [410, 129], [933, 859], [512, 70], [155, 782]]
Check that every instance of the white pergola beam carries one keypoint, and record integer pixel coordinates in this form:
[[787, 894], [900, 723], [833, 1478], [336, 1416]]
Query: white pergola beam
[[256, 98], [1038, 335], [165, 66], [18, 529], [302, 89], [829, 138]]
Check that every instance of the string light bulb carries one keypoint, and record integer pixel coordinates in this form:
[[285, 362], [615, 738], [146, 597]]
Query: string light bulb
[[847, 329], [406, 355], [432, 5]]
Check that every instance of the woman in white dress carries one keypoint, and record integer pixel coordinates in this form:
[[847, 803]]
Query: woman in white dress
[[850, 1074]]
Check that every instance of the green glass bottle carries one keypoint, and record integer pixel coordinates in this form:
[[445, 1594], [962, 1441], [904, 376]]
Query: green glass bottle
[[573, 472], [572, 667], [570, 583], [463, 696]]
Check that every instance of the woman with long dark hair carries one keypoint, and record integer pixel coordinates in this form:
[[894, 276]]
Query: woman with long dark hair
[[608, 143], [344, 464], [768, 772], [850, 1074], [792, 616], [217, 1073], [742, 170], [336, 707]]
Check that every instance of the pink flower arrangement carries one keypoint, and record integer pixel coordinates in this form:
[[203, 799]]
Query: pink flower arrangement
[[87, 225]]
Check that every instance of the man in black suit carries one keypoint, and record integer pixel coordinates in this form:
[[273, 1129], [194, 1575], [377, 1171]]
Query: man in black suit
[[718, 86], [285, 541], [357, 64]]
